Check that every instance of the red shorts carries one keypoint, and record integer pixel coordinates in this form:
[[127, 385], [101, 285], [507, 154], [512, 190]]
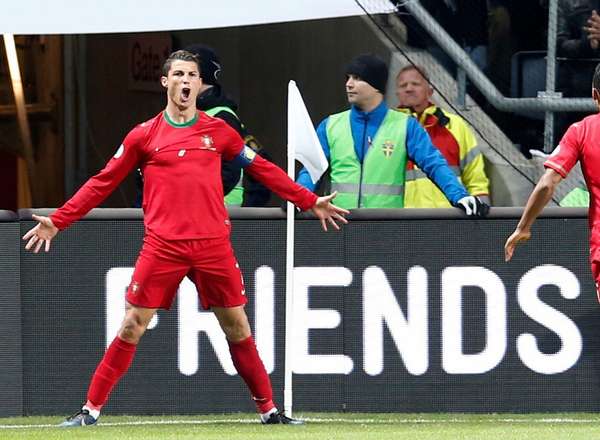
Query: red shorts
[[209, 263], [596, 274]]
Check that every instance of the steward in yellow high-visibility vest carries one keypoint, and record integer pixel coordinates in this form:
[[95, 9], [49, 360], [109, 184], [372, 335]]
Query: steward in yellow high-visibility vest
[[449, 133], [369, 145], [455, 140]]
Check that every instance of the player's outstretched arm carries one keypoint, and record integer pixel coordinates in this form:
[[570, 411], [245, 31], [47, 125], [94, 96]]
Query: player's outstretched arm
[[540, 196], [41, 234], [517, 237], [327, 212]]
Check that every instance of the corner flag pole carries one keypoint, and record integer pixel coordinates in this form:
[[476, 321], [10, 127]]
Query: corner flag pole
[[304, 146], [289, 285]]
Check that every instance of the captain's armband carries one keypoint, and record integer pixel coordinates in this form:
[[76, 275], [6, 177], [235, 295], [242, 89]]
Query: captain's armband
[[245, 158]]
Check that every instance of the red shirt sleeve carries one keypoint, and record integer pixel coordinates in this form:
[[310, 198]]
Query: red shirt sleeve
[[274, 178], [565, 156], [233, 143], [98, 187]]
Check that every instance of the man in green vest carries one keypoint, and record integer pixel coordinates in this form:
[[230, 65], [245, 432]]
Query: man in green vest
[[368, 146]]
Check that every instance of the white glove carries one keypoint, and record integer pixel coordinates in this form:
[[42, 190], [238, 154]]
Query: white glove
[[472, 206]]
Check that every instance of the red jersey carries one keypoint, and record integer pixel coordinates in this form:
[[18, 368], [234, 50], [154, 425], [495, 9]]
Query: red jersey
[[581, 143], [181, 164]]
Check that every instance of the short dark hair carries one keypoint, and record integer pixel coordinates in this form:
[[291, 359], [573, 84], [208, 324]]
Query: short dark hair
[[416, 67], [182, 55], [596, 79]]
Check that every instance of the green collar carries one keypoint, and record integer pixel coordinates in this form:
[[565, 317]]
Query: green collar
[[183, 124]]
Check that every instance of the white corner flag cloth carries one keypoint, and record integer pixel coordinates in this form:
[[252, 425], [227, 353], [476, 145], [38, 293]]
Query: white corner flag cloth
[[303, 143]]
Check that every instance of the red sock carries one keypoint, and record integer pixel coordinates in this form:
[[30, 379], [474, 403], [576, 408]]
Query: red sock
[[113, 365], [250, 367]]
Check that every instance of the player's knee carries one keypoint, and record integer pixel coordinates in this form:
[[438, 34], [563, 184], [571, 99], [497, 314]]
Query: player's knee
[[236, 331], [131, 331]]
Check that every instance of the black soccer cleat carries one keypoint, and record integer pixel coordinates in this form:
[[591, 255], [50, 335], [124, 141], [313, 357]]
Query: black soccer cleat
[[80, 418], [279, 418]]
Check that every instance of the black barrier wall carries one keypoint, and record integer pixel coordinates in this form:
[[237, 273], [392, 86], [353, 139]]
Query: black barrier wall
[[405, 314], [11, 367]]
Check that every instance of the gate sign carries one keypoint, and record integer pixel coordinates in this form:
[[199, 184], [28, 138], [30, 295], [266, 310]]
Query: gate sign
[[146, 54]]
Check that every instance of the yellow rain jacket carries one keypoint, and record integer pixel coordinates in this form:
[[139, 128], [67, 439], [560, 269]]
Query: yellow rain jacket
[[455, 140]]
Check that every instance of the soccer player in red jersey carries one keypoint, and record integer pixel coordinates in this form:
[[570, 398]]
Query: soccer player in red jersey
[[186, 230], [580, 143]]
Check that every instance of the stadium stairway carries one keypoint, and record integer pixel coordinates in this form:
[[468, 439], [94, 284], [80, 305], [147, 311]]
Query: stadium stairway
[[512, 175]]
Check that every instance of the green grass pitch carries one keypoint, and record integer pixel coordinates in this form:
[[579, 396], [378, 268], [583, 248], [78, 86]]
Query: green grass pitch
[[329, 426]]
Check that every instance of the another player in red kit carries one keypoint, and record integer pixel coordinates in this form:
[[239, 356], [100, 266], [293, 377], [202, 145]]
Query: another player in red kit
[[186, 230], [580, 143]]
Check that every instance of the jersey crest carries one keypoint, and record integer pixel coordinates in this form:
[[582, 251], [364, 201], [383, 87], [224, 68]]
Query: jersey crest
[[207, 142]]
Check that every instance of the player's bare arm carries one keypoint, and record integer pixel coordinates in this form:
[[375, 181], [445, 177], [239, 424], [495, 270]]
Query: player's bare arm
[[538, 199], [327, 212], [41, 234]]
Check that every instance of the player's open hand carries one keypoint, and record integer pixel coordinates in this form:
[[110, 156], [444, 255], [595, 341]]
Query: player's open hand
[[41, 234], [328, 212], [516, 238]]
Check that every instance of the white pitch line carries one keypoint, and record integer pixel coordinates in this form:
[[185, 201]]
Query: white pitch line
[[143, 422], [453, 420], [318, 420]]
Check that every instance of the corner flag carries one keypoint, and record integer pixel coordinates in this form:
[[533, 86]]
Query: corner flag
[[303, 143]]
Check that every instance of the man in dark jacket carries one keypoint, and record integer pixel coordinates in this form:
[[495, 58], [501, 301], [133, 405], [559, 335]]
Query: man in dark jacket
[[577, 36], [240, 190], [578, 24]]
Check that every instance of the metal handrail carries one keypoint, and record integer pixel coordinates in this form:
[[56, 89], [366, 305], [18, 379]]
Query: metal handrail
[[483, 84]]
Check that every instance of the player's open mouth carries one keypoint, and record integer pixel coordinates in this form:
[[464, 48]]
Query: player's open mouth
[[185, 93]]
